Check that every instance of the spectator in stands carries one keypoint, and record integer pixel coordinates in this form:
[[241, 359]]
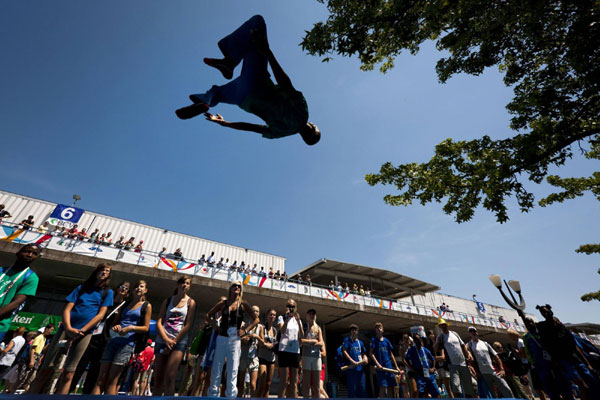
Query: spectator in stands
[[82, 234], [381, 353], [277, 275], [18, 282], [284, 276], [486, 359], [361, 290], [139, 247], [220, 264], [120, 243], [422, 363], [101, 239], [355, 289], [339, 287], [367, 292], [312, 343], [178, 255], [331, 285], [453, 345], [44, 227], [266, 353], [211, 259], [131, 326], [271, 273], [347, 288], [28, 223], [4, 213], [291, 330], [262, 272], [308, 281], [228, 346], [226, 264], [107, 239], [130, 243], [201, 260], [73, 232], [9, 353], [86, 307], [60, 232], [94, 236], [501, 319], [243, 267], [163, 253], [234, 266], [172, 325], [355, 354]]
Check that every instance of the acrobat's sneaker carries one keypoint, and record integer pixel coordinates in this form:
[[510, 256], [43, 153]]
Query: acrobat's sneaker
[[192, 111], [221, 65]]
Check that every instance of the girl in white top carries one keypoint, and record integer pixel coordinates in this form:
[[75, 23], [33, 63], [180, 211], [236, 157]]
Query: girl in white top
[[291, 330], [172, 326], [11, 350]]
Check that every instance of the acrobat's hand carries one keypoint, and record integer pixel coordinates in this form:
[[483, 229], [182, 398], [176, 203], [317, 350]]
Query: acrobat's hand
[[217, 119], [261, 43]]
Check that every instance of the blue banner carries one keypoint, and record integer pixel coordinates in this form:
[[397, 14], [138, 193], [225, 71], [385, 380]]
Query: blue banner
[[67, 213]]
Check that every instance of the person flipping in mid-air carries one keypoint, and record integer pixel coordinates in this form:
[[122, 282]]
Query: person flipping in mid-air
[[281, 106]]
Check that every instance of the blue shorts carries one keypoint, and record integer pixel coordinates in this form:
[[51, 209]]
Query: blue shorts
[[385, 379], [427, 385], [161, 348], [117, 353]]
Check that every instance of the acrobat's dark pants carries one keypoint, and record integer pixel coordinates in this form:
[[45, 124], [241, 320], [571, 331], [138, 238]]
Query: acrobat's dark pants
[[238, 47]]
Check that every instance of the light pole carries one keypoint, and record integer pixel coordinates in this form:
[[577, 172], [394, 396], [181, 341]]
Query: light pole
[[512, 302], [76, 198]]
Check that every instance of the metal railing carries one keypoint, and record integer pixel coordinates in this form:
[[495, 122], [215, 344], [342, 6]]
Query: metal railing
[[88, 247]]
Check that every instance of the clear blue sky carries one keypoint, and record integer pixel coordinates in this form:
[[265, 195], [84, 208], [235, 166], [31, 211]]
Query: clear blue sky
[[88, 94]]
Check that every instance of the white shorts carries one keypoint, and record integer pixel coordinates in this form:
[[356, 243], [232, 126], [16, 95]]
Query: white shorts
[[250, 364], [311, 363]]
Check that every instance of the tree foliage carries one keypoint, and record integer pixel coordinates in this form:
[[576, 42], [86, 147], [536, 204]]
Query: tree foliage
[[549, 54]]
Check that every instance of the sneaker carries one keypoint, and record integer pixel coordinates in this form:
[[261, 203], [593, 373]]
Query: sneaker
[[192, 111], [221, 65]]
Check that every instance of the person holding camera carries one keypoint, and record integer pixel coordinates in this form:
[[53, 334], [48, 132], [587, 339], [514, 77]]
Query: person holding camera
[[291, 330]]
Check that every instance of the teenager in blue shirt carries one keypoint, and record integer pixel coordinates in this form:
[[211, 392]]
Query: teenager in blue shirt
[[86, 307], [356, 354], [382, 356], [422, 362]]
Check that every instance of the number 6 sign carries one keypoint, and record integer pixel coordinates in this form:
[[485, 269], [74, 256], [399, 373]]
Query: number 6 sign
[[67, 213]]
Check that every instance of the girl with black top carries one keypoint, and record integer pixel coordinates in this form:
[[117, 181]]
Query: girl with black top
[[266, 354], [133, 320], [228, 342]]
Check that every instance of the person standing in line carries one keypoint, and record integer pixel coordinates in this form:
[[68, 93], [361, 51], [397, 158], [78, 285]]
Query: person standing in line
[[86, 307], [35, 356], [228, 346], [16, 284], [146, 357], [355, 353], [312, 343], [249, 355], [486, 359], [173, 325], [90, 361], [423, 364], [381, 353], [291, 330], [453, 345], [133, 322], [266, 354], [409, 374], [9, 353]]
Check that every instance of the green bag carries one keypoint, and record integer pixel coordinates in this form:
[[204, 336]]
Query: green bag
[[196, 342]]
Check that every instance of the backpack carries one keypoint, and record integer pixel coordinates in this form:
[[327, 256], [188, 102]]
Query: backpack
[[141, 338]]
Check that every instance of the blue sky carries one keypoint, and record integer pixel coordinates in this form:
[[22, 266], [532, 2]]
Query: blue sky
[[89, 90]]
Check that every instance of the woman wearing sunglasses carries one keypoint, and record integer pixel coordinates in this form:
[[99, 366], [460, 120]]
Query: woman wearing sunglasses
[[228, 345], [291, 330]]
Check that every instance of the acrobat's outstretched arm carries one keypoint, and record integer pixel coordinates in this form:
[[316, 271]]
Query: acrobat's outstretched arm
[[262, 46], [240, 126]]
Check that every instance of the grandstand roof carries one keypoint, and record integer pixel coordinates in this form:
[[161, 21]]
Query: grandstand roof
[[383, 283]]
